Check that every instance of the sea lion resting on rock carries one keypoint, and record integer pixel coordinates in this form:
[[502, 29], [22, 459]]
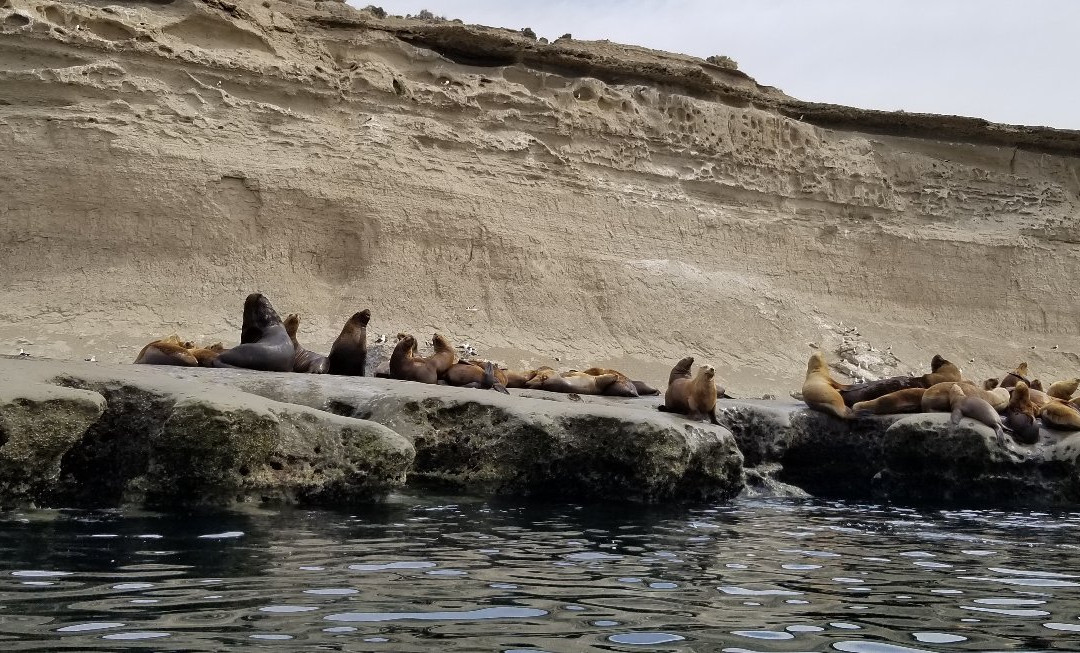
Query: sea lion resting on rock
[[1060, 415], [490, 380], [348, 354], [167, 351], [901, 401], [694, 397], [304, 361], [1012, 378], [518, 379], [549, 379], [1063, 390], [268, 348], [820, 391], [623, 386], [207, 355], [941, 370], [977, 409], [383, 370], [466, 372], [405, 365], [936, 398], [1020, 415]]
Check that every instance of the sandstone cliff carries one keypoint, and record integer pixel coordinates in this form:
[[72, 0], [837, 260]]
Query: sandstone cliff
[[582, 200]]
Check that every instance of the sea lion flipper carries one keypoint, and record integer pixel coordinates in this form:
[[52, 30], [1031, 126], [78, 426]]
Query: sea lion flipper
[[500, 388], [712, 417], [957, 414]]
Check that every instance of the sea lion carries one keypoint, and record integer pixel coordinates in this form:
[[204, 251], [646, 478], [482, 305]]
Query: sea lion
[[941, 370], [383, 370], [1064, 390], [901, 401], [644, 389], [304, 361], [271, 351], [444, 356], [820, 391], [1036, 385], [518, 379], [977, 409], [549, 379], [936, 398], [1012, 378], [1020, 415], [623, 387], [206, 355], [1060, 415], [406, 366], [490, 380], [696, 397], [990, 384], [466, 372], [348, 354], [166, 351]]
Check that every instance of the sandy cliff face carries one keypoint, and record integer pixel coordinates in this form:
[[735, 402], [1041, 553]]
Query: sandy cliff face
[[586, 201]]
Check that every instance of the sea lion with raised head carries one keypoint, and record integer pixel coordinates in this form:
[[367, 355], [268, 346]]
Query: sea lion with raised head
[[304, 360], [383, 370], [694, 397], [348, 354], [1020, 415], [444, 356], [1021, 373], [1063, 390], [820, 391], [901, 401], [406, 366], [977, 409], [271, 350]]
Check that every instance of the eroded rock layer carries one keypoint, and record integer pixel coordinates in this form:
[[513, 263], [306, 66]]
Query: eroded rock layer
[[603, 204]]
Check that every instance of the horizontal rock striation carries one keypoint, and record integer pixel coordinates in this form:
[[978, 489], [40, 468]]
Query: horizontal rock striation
[[599, 203]]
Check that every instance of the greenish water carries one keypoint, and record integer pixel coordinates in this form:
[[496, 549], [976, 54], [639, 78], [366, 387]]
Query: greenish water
[[461, 574]]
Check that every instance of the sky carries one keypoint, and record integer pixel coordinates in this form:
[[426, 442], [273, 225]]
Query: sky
[[1007, 61]]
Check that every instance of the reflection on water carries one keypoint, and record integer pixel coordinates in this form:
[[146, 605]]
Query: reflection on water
[[468, 574]]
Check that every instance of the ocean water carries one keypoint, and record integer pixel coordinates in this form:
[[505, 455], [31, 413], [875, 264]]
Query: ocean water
[[468, 574]]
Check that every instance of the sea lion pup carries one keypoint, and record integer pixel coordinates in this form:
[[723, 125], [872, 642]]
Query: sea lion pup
[[696, 397], [348, 354], [518, 379], [549, 379], [272, 351], [406, 366], [975, 408], [166, 351], [936, 398], [206, 355], [901, 401], [1063, 390], [990, 384], [623, 387], [1020, 415], [304, 361], [820, 391], [1012, 378], [1060, 415], [444, 356]]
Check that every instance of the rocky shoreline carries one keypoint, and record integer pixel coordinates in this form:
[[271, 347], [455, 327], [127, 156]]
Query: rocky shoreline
[[97, 435]]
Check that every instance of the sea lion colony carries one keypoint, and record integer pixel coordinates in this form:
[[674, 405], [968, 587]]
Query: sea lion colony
[[1014, 403]]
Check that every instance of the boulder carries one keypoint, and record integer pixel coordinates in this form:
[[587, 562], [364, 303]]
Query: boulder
[[38, 424]]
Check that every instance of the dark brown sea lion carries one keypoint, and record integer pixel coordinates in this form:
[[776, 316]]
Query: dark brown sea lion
[[304, 360], [166, 351], [271, 351], [1021, 373], [941, 370], [644, 389], [348, 354], [1020, 415], [623, 386], [975, 408], [406, 366], [383, 370], [1036, 385], [990, 384], [901, 401], [820, 391], [694, 397]]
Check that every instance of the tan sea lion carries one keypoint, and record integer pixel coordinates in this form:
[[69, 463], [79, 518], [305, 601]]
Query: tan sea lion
[[549, 379], [977, 409], [820, 391], [1020, 415], [406, 366], [1012, 378], [516, 379], [348, 354], [901, 401], [941, 371], [383, 370], [1064, 390], [268, 346], [936, 398], [623, 387], [490, 380], [465, 372], [1060, 415], [304, 360], [694, 397], [444, 356], [206, 355], [166, 351]]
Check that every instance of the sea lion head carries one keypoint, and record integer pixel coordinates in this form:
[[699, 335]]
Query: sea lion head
[[937, 361], [1021, 395], [361, 319], [440, 343], [1036, 385], [956, 393], [707, 371], [216, 347], [259, 312], [990, 384], [406, 343], [817, 364]]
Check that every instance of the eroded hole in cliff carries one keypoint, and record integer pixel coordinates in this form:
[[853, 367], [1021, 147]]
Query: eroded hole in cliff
[[17, 20], [465, 57]]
